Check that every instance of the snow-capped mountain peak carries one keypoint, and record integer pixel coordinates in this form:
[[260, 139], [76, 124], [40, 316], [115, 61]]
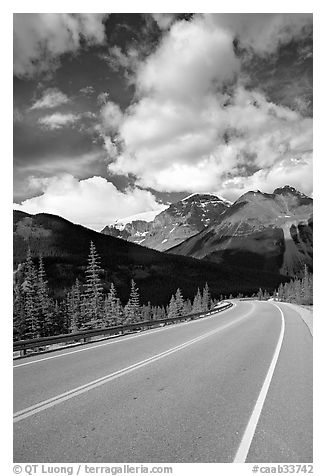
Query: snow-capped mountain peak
[[177, 222]]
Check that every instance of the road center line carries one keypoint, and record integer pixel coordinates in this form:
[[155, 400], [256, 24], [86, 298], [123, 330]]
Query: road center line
[[248, 435], [116, 341], [39, 407]]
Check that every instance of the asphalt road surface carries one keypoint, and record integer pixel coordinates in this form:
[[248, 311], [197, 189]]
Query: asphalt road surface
[[233, 387]]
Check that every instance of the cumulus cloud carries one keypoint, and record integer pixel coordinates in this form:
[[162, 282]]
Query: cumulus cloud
[[191, 58], [93, 202], [194, 126], [58, 120], [41, 38], [52, 97]]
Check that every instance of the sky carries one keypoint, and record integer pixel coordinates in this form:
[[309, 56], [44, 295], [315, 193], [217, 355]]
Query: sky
[[118, 114]]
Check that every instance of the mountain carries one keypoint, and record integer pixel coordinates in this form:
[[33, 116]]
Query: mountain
[[64, 247], [172, 226], [260, 231], [132, 228]]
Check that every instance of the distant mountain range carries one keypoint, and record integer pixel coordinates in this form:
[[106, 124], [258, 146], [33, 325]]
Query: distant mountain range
[[271, 232], [65, 247], [179, 221]]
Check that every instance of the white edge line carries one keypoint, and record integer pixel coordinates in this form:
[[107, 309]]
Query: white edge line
[[116, 341], [248, 435], [38, 407]]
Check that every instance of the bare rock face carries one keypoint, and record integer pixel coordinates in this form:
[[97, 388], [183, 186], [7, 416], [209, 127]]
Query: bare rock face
[[174, 225], [271, 232]]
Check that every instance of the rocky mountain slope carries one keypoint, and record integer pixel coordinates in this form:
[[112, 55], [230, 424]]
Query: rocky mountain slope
[[271, 232], [65, 247], [179, 221]]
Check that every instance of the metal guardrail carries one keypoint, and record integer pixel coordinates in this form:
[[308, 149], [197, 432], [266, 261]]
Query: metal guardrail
[[86, 335]]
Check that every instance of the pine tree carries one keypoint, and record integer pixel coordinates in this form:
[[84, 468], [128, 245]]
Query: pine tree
[[127, 314], [162, 312], [172, 309], [74, 307], [179, 302], [146, 312], [18, 312], [266, 295], [93, 293], [206, 300], [134, 302], [260, 294], [112, 308], [44, 302], [197, 304], [187, 307], [60, 324], [297, 291], [31, 305]]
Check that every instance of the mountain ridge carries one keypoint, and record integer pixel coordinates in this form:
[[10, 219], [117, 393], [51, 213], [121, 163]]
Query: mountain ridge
[[64, 247], [274, 231], [172, 226]]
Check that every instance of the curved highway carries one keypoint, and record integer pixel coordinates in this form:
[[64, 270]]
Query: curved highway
[[232, 387]]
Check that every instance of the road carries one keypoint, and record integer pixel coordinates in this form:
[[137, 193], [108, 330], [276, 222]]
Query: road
[[233, 387]]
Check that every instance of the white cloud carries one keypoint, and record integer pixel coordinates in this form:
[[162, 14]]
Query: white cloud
[[185, 131], [40, 38], [111, 117], [93, 202], [190, 58], [262, 32], [164, 20], [58, 120], [52, 97]]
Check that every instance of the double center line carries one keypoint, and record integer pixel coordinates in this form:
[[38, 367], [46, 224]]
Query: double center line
[[56, 400]]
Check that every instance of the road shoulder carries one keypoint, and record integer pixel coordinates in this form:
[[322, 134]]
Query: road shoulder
[[305, 314]]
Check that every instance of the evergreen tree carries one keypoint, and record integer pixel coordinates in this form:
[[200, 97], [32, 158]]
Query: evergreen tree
[[134, 302], [206, 300], [74, 307], [60, 323], [44, 302], [187, 307], [172, 309], [179, 302], [197, 304], [112, 308], [266, 295], [307, 288], [93, 293], [31, 305], [18, 312], [297, 291], [127, 313], [146, 312], [162, 312], [260, 294]]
